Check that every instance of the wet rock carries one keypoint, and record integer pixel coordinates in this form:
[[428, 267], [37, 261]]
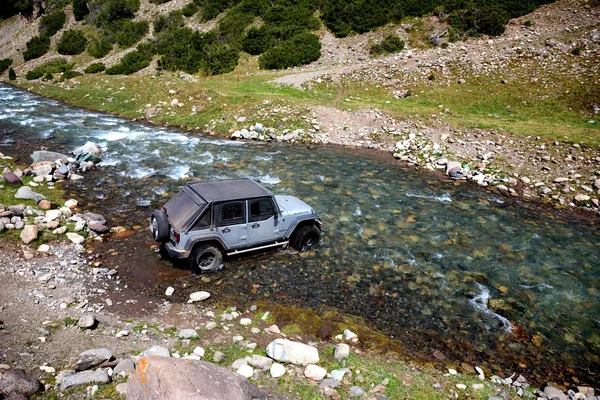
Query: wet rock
[[84, 378], [315, 372], [26, 193], [160, 378], [89, 147], [98, 227], [87, 321], [16, 381], [342, 351], [292, 352], [12, 178], [29, 233], [91, 358], [156, 350]]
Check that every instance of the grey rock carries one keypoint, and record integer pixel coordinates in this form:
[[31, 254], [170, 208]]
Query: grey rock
[[188, 334], [89, 147], [329, 382], [98, 227], [357, 391], [84, 378], [17, 381], [29, 233], [260, 362], [12, 178], [50, 156], [86, 321], [91, 358], [554, 394], [156, 350], [126, 366], [342, 350], [161, 378], [93, 217], [582, 200], [218, 357], [292, 352], [26, 193], [238, 363]]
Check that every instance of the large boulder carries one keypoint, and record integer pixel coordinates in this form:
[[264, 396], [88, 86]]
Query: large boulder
[[285, 350], [29, 233], [16, 381], [161, 378], [89, 147], [12, 178], [49, 156], [26, 193]]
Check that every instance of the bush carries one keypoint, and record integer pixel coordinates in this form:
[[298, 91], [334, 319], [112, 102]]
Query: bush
[[14, 7], [33, 74], [70, 74], [160, 1], [80, 9], [220, 59], [4, 64], [36, 47], [72, 42], [129, 32], [99, 47], [132, 62], [190, 9], [576, 51], [168, 21], [51, 67], [105, 12], [257, 41], [94, 68], [391, 44], [301, 49], [492, 21], [52, 23], [11, 74], [48, 76]]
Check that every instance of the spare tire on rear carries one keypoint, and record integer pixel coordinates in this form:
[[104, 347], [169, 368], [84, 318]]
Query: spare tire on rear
[[159, 226]]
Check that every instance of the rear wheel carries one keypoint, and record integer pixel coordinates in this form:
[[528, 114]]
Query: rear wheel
[[305, 238], [159, 226], [206, 258]]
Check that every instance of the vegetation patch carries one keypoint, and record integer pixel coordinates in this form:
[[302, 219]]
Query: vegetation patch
[[94, 68], [129, 32], [37, 46], [80, 9], [189, 9], [99, 47], [391, 44], [51, 67], [72, 42], [132, 62], [4, 64], [168, 21], [52, 23], [301, 49]]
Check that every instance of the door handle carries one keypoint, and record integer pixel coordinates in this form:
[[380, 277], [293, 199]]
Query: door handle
[[254, 226], [226, 230]]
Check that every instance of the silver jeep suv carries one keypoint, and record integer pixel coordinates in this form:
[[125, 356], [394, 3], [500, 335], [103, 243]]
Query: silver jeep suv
[[207, 219]]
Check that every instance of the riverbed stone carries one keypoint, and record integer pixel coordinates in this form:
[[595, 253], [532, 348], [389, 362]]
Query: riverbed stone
[[342, 350], [156, 350], [91, 358], [246, 371], [48, 156], [84, 378], [199, 296], [125, 367], [88, 147], [12, 178], [98, 227], [188, 334], [18, 381], [277, 370], [285, 350], [553, 393], [261, 362], [29, 233], [25, 192], [75, 238], [160, 378], [315, 372], [582, 200], [86, 321], [71, 203]]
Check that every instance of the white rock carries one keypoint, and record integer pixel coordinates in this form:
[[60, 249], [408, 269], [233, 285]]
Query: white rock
[[477, 386], [277, 370], [342, 350], [461, 386], [237, 338], [44, 248], [349, 335], [122, 333], [199, 351], [75, 238], [170, 290], [245, 321], [452, 371], [199, 296], [285, 350], [315, 372], [246, 371], [274, 329], [71, 204], [47, 369]]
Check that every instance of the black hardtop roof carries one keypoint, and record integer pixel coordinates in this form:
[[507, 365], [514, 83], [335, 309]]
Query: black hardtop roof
[[229, 189]]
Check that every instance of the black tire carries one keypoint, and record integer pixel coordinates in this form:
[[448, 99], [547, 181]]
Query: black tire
[[206, 258], [305, 238], [159, 226]]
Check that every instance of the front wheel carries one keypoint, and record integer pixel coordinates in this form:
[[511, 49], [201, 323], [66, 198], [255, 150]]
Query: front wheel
[[305, 238], [206, 258]]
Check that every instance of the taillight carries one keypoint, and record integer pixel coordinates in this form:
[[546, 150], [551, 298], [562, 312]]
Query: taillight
[[176, 236]]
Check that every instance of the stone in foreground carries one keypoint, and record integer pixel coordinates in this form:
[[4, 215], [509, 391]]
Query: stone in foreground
[[284, 350], [84, 378], [18, 382], [161, 378], [29, 233]]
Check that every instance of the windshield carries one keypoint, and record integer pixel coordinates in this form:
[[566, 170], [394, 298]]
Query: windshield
[[181, 211]]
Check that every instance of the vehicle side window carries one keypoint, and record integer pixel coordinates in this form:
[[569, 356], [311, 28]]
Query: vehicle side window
[[232, 213], [260, 209], [203, 222]]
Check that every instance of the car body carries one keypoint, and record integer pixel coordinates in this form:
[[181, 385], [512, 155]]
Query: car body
[[208, 219]]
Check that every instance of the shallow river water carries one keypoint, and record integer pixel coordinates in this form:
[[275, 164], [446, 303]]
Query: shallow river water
[[439, 266]]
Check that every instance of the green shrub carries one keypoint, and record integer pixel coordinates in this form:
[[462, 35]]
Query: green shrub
[[576, 51], [48, 76], [391, 44], [106, 12], [212, 8], [80, 9], [52, 23], [171, 20], [189, 9], [181, 49], [94, 68], [72, 42], [33, 74], [257, 41], [219, 58], [4, 64], [492, 21], [130, 63], [160, 1], [14, 7], [99, 47], [70, 74], [129, 32], [36, 47], [301, 49], [11, 74]]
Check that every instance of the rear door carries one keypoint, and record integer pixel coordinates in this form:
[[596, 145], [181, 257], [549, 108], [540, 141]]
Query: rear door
[[231, 223], [262, 224]]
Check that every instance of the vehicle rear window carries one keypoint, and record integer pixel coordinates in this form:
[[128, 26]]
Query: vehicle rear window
[[181, 210]]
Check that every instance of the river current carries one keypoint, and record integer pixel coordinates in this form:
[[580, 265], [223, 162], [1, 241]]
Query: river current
[[439, 266]]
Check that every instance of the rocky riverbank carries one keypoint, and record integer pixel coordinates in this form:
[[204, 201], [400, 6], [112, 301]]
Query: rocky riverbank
[[62, 336]]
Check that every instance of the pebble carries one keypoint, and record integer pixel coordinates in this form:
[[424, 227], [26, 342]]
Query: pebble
[[246, 371], [170, 290], [245, 321], [199, 296], [277, 370]]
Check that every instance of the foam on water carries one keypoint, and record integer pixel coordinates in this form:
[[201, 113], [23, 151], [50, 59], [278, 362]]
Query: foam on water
[[539, 286], [270, 180], [179, 172], [357, 212], [139, 173], [444, 198], [480, 302]]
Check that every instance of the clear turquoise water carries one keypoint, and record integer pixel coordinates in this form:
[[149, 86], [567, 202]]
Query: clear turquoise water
[[439, 266]]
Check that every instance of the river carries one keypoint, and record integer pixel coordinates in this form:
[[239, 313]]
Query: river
[[438, 266]]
